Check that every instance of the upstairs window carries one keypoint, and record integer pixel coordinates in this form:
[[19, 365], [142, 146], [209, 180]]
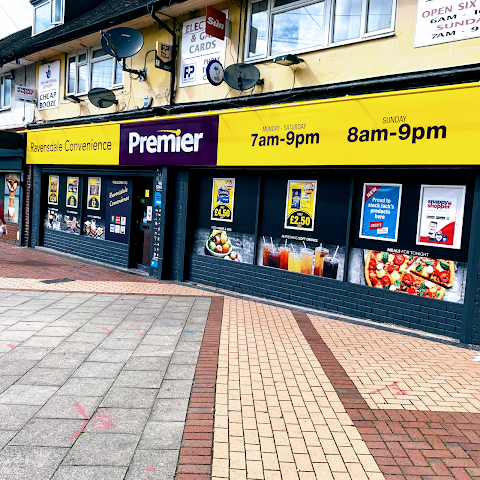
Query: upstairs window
[[92, 69], [5, 92], [277, 27], [47, 14]]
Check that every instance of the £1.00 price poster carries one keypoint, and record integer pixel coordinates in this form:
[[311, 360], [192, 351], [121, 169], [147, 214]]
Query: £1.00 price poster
[[94, 187], [223, 193], [300, 208], [440, 217], [380, 211], [53, 181]]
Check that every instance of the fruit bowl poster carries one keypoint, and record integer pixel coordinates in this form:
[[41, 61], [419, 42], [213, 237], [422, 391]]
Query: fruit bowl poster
[[302, 255], [440, 217], [410, 272], [223, 243]]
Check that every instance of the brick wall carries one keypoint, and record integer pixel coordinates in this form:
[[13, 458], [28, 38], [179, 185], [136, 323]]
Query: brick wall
[[12, 232], [37, 221], [26, 207], [428, 315], [476, 312], [99, 250]]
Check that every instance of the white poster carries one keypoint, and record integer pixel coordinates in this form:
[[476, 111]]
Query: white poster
[[440, 218], [49, 85], [24, 93], [197, 50], [443, 21]]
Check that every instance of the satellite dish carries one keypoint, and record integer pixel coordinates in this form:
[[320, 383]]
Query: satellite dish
[[241, 76], [122, 42], [102, 98]]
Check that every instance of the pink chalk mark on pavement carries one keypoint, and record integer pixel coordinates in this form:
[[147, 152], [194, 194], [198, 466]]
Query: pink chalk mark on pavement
[[85, 421], [393, 385], [142, 334], [109, 331], [149, 469], [10, 345]]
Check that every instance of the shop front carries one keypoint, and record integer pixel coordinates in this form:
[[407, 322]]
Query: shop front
[[363, 206], [11, 186]]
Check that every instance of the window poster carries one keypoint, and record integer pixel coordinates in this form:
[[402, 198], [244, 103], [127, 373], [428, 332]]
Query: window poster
[[223, 193], [94, 187], [300, 208], [380, 211], [440, 216], [12, 197], [72, 192], [410, 272], [53, 181], [119, 205]]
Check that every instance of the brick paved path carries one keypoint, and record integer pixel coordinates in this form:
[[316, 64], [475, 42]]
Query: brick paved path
[[172, 381]]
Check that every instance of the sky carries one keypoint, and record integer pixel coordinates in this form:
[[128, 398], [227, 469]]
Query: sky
[[20, 12]]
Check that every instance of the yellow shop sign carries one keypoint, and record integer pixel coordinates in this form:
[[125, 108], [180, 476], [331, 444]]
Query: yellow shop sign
[[90, 145], [434, 126]]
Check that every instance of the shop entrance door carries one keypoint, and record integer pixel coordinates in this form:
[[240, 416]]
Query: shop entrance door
[[143, 223]]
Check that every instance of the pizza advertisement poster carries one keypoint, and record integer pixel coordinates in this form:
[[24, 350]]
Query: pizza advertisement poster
[[94, 190], [72, 192], [380, 211], [440, 217], [414, 274], [223, 193], [301, 203], [53, 181]]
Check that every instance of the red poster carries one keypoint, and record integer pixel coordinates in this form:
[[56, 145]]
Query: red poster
[[215, 23]]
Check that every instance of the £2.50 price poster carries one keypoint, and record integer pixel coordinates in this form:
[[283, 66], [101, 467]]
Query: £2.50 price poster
[[72, 192], [380, 211], [53, 181], [223, 193], [94, 187], [440, 217], [300, 208]]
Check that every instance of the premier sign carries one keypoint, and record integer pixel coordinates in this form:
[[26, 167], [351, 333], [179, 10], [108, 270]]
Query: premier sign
[[189, 141]]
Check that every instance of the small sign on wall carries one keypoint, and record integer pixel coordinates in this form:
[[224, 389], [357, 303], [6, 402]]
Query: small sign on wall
[[24, 93], [49, 85]]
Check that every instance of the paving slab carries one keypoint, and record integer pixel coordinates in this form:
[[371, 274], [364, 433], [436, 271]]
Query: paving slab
[[90, 473]]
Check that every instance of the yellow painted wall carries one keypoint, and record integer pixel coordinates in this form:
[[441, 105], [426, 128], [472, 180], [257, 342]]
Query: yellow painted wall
[[385, 56]]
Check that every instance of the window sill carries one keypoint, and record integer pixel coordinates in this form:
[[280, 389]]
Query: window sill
[[5, 109], [80, 95], [318, 49]]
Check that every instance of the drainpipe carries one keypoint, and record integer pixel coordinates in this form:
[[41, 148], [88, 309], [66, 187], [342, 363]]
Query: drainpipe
[[174, 51]]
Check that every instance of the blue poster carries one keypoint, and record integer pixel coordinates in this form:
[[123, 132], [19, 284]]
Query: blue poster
[[380, 211]]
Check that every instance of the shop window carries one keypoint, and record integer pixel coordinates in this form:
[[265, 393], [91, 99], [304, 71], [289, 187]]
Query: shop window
[[5, 92], [92, 69], [10, 198], [277, 27], [47, 15]]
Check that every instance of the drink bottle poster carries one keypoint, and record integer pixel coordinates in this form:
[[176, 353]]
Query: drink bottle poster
[[440, 218], [53, 181], [223, 193], [94, 188], [380, 211], [300, 207], [72, 192]]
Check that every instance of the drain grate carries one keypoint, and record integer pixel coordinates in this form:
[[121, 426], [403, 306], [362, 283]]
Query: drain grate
[[58, 280]]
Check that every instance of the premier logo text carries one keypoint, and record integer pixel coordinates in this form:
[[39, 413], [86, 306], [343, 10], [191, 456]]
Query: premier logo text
[[172, 142]]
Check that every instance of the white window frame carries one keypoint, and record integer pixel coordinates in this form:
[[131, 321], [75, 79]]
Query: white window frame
[[52, 24], [328, 25], [89, 61], [3, 79]]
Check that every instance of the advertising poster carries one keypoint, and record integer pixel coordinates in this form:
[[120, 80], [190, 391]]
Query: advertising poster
[[94, 187], [440, 216], [68, 223], [223, 193], [221, 242], [72, 192], [49, 85], [300, 208], [411, 272], [53, 181], [94, 227], [380, 211], [302, 256], [119, 205], [11, 197]]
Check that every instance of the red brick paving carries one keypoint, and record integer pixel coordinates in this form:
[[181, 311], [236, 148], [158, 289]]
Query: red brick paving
[[196, 450], [407, 445], [21, 262]]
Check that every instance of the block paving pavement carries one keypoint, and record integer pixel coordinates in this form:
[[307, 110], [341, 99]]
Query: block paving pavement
[[117, 376]]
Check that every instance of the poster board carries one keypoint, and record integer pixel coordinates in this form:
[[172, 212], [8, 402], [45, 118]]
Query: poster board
[[380, 211], [223, 197], [72, 192], [53, 181], [94, 191], [300, 205], [440, 216]]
